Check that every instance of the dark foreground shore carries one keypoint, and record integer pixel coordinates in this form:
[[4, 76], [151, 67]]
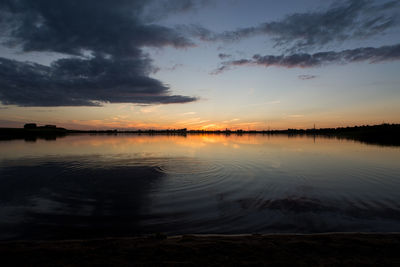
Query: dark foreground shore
[[334, 249]]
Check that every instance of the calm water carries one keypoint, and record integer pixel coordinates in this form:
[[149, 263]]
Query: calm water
[[94, 186]]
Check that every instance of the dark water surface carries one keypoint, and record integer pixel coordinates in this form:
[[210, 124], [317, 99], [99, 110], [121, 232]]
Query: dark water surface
[[83, 186]]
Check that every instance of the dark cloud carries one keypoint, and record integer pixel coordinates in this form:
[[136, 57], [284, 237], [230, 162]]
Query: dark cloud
[[306, 77], [352, 19], [72, 26], [78, 82], [113, 32], [304, 60]]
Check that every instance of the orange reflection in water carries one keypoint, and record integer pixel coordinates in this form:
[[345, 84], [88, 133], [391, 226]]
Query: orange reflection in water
[[239, 147]]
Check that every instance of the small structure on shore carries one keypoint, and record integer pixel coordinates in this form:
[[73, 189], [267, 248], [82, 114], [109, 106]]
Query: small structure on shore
[[30, 126], [34, 126]]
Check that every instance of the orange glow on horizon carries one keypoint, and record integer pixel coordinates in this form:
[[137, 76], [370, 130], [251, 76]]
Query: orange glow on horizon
[[210, 126], [197, 123]]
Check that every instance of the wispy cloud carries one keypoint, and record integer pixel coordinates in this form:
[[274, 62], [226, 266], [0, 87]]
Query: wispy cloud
[[224, 56], [149, 109], [296, 116], [197, 122], [192, 121], [232, 120], [344, 20], [173, 67], [208, 126], [306, 77], [188, 113], [249, 123], [304, 60]]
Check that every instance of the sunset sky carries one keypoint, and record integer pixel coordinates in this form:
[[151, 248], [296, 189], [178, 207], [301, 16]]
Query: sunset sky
[[127, 64]]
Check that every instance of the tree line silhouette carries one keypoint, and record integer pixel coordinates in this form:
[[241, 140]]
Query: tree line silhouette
[[382, 134]]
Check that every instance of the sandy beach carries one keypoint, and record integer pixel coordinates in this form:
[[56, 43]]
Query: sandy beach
[[332, 249]]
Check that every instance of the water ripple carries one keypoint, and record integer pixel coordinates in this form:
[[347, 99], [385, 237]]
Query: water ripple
[[135, 194]]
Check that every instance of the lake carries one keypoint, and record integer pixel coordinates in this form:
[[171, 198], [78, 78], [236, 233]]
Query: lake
[[85, 186]]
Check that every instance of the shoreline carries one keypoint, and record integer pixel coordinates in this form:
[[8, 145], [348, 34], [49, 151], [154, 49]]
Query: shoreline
[[383, 134], [344, 249]]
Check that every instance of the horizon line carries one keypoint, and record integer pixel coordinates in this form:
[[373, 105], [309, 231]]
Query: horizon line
[[48, 126]]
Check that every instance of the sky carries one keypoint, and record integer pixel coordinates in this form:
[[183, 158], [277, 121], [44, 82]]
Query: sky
[[205, 64]]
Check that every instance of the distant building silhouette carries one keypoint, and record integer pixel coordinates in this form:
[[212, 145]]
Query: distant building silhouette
[[30, 126]]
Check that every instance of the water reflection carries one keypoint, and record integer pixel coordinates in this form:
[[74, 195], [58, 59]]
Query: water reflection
[[94, 186], [70, 198]]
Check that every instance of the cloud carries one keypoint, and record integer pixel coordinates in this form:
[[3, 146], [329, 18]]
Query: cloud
[[192, 121], [188, 113], [78, 82], [224, 56], [304, 60], [306, 77], [173, 67], [344, 20], [113, 33], [296, 116], [72, 26], [156, 10], [232, 120], [208, 126], [149, 109]]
